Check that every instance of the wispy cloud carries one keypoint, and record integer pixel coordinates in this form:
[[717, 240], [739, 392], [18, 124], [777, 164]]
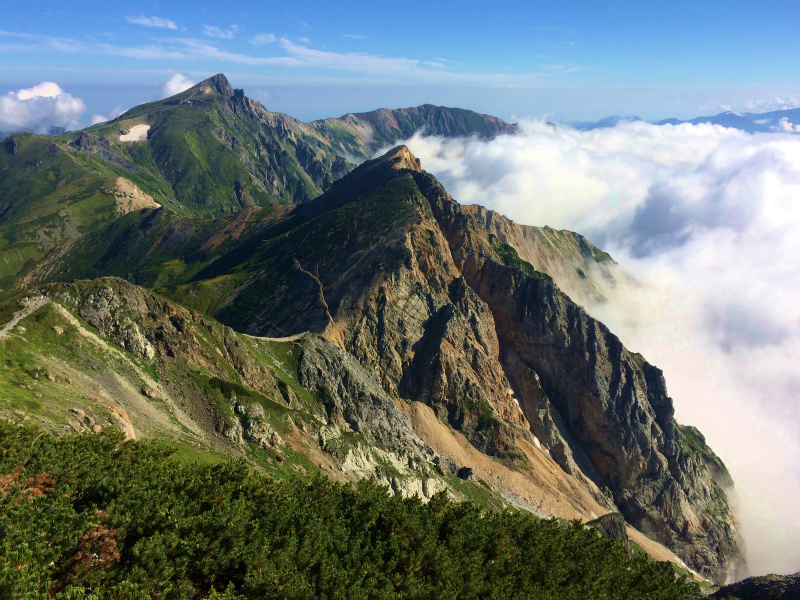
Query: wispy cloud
[[263, 38], [34, 42], [774, 103], [198, 49], [353, 36], [291, 54], [216, 32], [152, 22], [356, 61], [152, 52]]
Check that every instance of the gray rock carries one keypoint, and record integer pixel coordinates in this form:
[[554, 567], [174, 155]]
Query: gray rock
[[767, 587], [614, 527]]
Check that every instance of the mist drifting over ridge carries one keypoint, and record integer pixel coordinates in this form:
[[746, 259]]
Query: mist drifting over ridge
[[706, 220]]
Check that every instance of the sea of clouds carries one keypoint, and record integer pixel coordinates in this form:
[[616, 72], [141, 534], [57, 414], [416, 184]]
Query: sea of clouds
[[707, 222]]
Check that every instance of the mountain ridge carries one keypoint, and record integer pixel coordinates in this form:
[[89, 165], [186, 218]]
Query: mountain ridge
[[387, 291]]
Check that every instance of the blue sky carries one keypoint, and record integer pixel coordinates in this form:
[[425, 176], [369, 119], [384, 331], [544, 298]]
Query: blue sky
[[564, 60]]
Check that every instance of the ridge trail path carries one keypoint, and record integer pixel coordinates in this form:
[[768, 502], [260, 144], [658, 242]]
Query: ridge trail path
[[31, 306], [288, 338]]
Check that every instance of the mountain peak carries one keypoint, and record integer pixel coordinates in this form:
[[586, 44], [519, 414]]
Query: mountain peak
[[219, 83], [399, 157]]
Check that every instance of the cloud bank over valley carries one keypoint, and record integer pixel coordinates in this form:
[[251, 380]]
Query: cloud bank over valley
[[706, 220]]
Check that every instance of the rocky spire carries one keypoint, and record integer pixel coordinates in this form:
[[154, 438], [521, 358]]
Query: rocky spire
[[219, 83]]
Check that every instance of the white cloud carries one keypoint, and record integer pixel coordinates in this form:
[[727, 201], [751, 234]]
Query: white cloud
[[263, 38], [115, 112], [39, 107], [216, 32], [176, 84], [774, 103], [786, 126], [706, 219], [152, 22]]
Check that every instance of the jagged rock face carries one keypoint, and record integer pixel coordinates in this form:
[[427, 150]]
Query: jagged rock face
[[420, 292], [354, 400], [609, 407]]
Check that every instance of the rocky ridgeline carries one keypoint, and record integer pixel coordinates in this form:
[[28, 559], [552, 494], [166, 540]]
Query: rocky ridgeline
[[347, 401], [441, 314], [603, 411]]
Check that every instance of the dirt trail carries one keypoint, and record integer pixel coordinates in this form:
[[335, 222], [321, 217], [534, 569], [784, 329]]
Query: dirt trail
[[31, 305], [288, 338], [142, 407]]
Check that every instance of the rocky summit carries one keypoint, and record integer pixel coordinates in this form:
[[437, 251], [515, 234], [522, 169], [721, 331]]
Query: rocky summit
[[240, 283]]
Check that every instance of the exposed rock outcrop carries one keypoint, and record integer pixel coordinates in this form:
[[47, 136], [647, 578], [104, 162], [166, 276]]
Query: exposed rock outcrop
[[129, 197], [766, 587], [614, 527], [354, 422]]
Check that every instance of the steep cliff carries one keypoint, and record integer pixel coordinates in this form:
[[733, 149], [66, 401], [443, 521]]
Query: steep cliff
[[602, 409]]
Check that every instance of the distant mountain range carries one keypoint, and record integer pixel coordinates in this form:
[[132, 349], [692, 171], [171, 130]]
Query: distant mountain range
[[776, 121]]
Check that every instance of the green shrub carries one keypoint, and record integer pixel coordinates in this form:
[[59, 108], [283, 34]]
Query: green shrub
[[92, 516]]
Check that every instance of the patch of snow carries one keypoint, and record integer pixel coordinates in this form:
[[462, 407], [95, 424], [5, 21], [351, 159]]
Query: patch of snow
[[137, 133]]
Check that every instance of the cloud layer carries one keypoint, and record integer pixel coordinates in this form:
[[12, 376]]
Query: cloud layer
[[39, 107], [707, 220], [175, 85]]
